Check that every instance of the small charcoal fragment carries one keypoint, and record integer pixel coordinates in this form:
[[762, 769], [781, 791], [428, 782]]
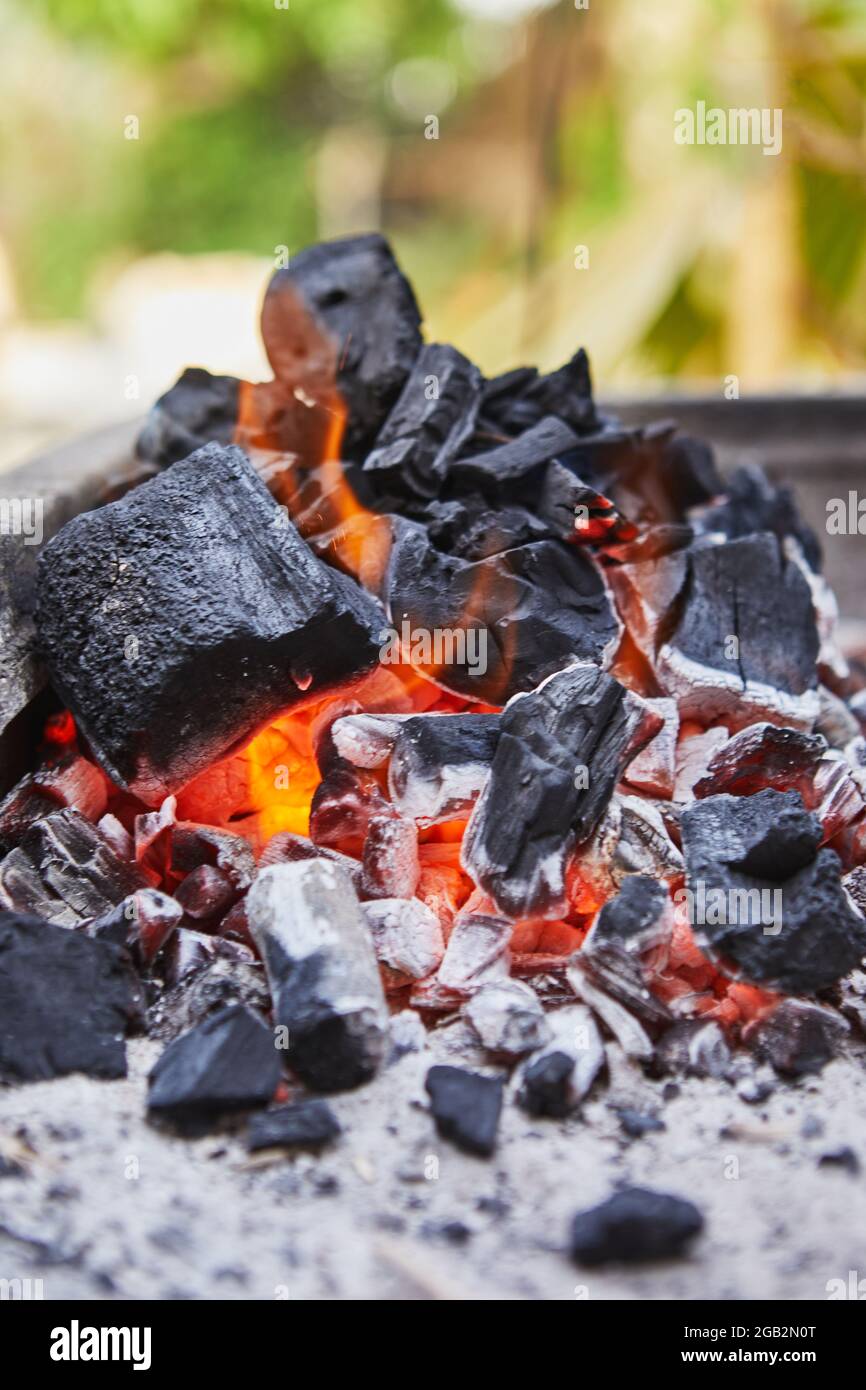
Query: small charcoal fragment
[[390, 867], [307, 922], [843, 1157], [639, 918], [629, 1033], [142, 923], [466, 1108], [439, 763], [761, 899], [206, 893], [561, 751], [64, 871], [171, 644], [65, 1002], [199, 409], [556, 1079], [344, 803], [189, 951], [508, 1018], [308, 1124], [357, 293], [636, 1124], [760, 756], [477, 951], [225, 1065], [366, 740], [194, 846], [70, 781], [426, 429], [692, 1047], [407, 937], [634, 1226], [653, 771], [287, 848], [606, 969], [798, 1037]]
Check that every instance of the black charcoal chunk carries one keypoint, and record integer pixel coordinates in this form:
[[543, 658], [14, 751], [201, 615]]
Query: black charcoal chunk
[[225, 1065], [518, 399], [560, 753], [439, 763], [178, 620], [65, 1002], [763, 901], [798, 1037], [752, 504], [199, 409], [473, 529], [65, 871], [769, 834], [308, 1124], [502, 471], [730, 654], [434, 415], [325, 983], [358, 294], [634, 1226], [187, 952], [490, 629], [466, 1107]]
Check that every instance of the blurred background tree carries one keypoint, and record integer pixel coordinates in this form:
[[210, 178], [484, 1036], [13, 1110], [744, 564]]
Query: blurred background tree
[[519, 153]]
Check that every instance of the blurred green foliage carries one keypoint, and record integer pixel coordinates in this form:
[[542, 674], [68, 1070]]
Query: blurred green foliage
[[546, 143]]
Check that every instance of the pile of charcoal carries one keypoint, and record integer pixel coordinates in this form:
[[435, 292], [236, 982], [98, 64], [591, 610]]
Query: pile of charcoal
[[567, 746]]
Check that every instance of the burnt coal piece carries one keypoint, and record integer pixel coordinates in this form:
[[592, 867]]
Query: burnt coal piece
[[634, 1226], [763, 901], [466, 1107], [225, 1065], [761, 756], [439, 763], [65, 871], [729, 655], [65, 1002], [325, 983], [517, 400], [498, 626], [308, 1124], [556, 1078], [433, 417], [199, 409], [560, 753], [178, 620], [358, 295]]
